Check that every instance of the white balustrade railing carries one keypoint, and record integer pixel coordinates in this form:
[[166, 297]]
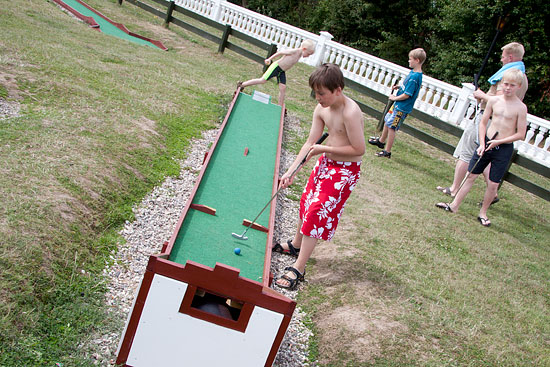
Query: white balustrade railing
[[449, 103]]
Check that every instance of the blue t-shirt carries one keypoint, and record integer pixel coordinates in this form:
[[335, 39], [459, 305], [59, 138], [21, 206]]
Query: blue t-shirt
[[411, 87]]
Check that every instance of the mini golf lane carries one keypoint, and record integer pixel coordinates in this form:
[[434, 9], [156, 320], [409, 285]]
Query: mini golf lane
[[238, 186], [98, 21]]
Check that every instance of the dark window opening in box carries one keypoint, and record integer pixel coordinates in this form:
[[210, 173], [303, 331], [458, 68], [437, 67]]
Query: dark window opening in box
[[217, 305]]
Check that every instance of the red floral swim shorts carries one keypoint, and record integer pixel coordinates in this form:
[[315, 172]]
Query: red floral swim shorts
[[325, 196]]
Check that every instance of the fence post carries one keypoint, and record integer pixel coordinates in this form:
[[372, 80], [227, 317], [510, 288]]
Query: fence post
[[216, 10], [320, 48], [272, 50], [169, 13], [223, 41], [462, 103]]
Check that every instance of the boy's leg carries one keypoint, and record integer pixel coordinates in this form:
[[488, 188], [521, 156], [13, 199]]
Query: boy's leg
[[384, 135], [460, 172], [462, 193], [297, 241], [282, 91], [490, 194], [391, 138], [487, 181], [253, 82], [308, 245]]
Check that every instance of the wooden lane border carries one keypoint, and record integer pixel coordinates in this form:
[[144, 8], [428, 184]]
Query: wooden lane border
[[89, 20], [207, 158], [94, 25], [266, 278]]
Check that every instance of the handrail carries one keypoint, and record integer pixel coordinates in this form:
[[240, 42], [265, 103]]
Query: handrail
[[448, 103]]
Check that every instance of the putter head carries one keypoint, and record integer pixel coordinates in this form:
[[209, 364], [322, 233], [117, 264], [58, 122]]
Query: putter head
[[239, 236]]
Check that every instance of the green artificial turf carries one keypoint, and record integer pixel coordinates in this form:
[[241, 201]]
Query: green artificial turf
[[238, 187], [104, 25]]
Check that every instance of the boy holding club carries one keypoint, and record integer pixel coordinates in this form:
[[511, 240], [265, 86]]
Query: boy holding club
[[509, 120], [404, 103], [334, 176]]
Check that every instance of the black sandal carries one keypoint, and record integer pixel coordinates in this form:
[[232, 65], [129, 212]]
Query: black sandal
[[383, 154], [375, 140], [292, 251], [292, 282]]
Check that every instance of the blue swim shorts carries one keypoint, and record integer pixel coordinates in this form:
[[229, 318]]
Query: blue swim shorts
[[394, 119]]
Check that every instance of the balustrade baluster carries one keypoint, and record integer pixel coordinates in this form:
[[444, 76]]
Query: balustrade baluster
[[356, 65], [444, 111], [426, 102], [433, 108], [544, 154], [362, 70]]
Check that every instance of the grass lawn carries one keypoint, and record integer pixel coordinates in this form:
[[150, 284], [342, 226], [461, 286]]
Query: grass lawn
[[100, 124]]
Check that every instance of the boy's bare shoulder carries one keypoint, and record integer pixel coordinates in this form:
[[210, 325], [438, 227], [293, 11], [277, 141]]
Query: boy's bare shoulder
[[351, 108]]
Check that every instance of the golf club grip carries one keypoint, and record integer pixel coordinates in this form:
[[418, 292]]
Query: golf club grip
[[320, 141], [493, 138]]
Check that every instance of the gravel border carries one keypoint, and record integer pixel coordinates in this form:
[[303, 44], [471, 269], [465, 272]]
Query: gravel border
[[8, 109], [155, 220]]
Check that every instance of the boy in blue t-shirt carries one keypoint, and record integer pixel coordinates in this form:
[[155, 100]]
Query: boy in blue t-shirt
[[404, 102]]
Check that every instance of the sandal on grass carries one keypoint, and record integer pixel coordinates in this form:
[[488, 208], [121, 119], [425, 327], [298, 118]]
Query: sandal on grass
[[444, 206], [384, 154], [292, 282], [485, 222], [292, 251], [375, 140], [445, 190]]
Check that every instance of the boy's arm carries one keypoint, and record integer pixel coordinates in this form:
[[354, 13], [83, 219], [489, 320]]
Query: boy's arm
[[400, 97], [279, 53], [315, 133], [482, 132]]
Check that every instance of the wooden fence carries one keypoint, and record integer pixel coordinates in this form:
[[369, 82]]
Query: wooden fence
[[223, 41]]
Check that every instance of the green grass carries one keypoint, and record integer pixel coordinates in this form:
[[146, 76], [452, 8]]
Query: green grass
[[101, 122]]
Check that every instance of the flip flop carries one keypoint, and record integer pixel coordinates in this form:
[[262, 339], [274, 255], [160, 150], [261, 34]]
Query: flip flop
[[485, 222], [445, 190], [444, 206]]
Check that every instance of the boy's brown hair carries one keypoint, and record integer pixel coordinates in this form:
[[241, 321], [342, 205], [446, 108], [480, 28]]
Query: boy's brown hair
[[419, 54], [327, 75]]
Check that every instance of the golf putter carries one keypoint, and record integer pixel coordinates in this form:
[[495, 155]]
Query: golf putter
[[389, 103], [475, 165], [242, 236]]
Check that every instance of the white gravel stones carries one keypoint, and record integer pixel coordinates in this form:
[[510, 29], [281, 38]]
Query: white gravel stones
[[8, 109], [155, 220]]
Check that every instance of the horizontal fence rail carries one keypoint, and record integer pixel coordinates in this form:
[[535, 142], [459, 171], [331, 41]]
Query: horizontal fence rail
[[442, 105]]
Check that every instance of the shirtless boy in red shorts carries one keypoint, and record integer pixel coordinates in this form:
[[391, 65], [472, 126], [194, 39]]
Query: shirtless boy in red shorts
[[335, 174]]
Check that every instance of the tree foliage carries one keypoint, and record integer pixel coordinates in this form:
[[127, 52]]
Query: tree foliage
[[456, 34]]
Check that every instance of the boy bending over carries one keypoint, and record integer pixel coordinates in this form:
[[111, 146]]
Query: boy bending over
[[335, 174], [278, 68], [509, 119]]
